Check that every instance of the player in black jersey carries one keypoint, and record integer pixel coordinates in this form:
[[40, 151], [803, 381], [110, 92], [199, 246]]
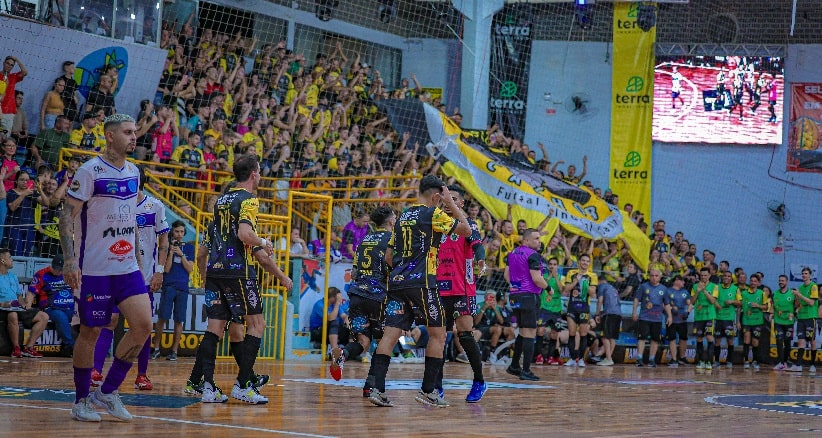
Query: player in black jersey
[[231, 282], [412, 285], [369, 284]]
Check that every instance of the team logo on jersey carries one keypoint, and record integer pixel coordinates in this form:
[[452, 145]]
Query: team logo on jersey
[[141, 220], [112, 188], [75, 186], [132, 186]]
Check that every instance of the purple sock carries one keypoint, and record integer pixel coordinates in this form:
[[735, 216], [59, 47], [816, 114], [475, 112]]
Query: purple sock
[[142, 358], [102, 348], [116, 374], [82, 382]]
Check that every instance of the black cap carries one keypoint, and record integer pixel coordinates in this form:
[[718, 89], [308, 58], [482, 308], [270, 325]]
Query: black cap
[[89, 115], [500, 296], [57, 262]]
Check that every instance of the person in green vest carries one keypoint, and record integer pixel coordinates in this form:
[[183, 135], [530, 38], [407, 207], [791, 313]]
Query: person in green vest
[[807, 310], [705, 298], [550, 315], [726, 316], [784, 303], [754, 302]]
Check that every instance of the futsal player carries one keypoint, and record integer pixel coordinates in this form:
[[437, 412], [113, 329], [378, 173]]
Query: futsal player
[[231, 282], [704, 295], [369, 279], [676, 87], [581, 286], [102, 265], [456, 284], [807, 310], [754, 302], [412, 286], [784, 318], [726, 319], [681, 307]]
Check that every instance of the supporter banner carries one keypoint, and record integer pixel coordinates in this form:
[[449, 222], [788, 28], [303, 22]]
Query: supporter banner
[[495, 182], [510, 68], [632, 89], [795, 273], [805, 139]]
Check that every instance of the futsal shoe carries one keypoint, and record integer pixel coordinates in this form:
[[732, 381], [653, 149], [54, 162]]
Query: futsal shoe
[[337, 360], [528, 375], [378, 398], [431, 399], [143, 383], [248, 394], [514, 371], [96, 378], [478, 390]]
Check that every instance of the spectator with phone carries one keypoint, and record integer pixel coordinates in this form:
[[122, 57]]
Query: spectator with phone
[[21, 201], [174, 298]]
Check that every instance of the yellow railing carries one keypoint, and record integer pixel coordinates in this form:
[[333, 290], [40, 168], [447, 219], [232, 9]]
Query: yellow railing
[[187, 196]]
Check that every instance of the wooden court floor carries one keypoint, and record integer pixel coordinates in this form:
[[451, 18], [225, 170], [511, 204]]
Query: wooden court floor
[[36, 395]]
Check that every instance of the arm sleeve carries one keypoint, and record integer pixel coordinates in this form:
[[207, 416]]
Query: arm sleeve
[[248, 212], [82, 186], [535, 262]]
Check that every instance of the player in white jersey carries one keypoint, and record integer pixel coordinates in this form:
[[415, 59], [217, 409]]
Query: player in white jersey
[[98, 235], [676, 88], [152, 229]]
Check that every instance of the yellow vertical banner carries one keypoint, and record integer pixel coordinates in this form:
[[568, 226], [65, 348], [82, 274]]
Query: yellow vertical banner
[[632, 107]]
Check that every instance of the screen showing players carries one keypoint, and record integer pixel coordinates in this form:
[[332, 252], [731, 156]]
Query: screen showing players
[[718, 99]]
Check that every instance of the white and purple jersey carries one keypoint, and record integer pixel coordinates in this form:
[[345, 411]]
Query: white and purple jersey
[[104, 231], [151, 223]]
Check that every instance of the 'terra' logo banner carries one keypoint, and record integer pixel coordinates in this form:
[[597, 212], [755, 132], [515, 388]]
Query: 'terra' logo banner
[[510, 65], [632, 105]]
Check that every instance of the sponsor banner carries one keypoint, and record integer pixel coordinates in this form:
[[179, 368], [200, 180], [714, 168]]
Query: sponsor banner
[[510, 68], [632, 107], [805, 138], [796, 271]]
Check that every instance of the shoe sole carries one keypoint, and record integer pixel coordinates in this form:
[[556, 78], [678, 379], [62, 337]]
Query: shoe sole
[[87, 420], [467, 400], [378, 401], [101, 404], [425, 401], [222, 400], [250, 402]]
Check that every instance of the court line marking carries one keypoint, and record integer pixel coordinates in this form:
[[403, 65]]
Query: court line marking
[[713, 400], [190, 422]]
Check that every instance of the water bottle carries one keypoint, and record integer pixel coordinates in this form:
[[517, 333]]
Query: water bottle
[[310, 248]]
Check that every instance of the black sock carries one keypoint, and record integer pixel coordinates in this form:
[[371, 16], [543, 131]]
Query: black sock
[[800, 358], [710, 352], [813, 357], [572, 349], [718, 351], [729, 357], [251, 346], [552, 346], [537, 347], [780, 350], [700, 348], [527, 353], [433, 366], [583, 345], [745, 349], [787, 349], [469, 344], [379, 368], [517, 352], [353, 349], [236, 351], [438, 380], [206, 356]]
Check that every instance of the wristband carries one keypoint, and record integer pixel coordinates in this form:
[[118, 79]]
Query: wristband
[[263, 241], [159, 269]]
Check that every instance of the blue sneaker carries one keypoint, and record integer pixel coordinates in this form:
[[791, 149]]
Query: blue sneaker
[[477, 391]]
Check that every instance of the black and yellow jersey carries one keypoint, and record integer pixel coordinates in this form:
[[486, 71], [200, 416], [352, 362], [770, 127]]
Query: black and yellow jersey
[[417, 235], [370, 271], [228, 256]]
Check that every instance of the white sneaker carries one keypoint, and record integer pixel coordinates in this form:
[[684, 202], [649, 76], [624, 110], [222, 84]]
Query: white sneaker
[[812, 369], [431, 399], [780, 367], [249, 394], [795, 369], [84, 411], [112, 403], [581, 363], [606, 363], [212, 394], [571, 363]]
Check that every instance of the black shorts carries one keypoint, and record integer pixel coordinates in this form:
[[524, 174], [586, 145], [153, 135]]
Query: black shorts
[[525, 307], [677, 330], [724, 328], [25, 317], [754, 330], [456, 306], [404, 306], [230, 299], [365, 317], [783, 331], [579, 318], [610, 326], [649, 330], [549, 319], [333, 328], [703, 328], [806, 329], [485, 330]]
